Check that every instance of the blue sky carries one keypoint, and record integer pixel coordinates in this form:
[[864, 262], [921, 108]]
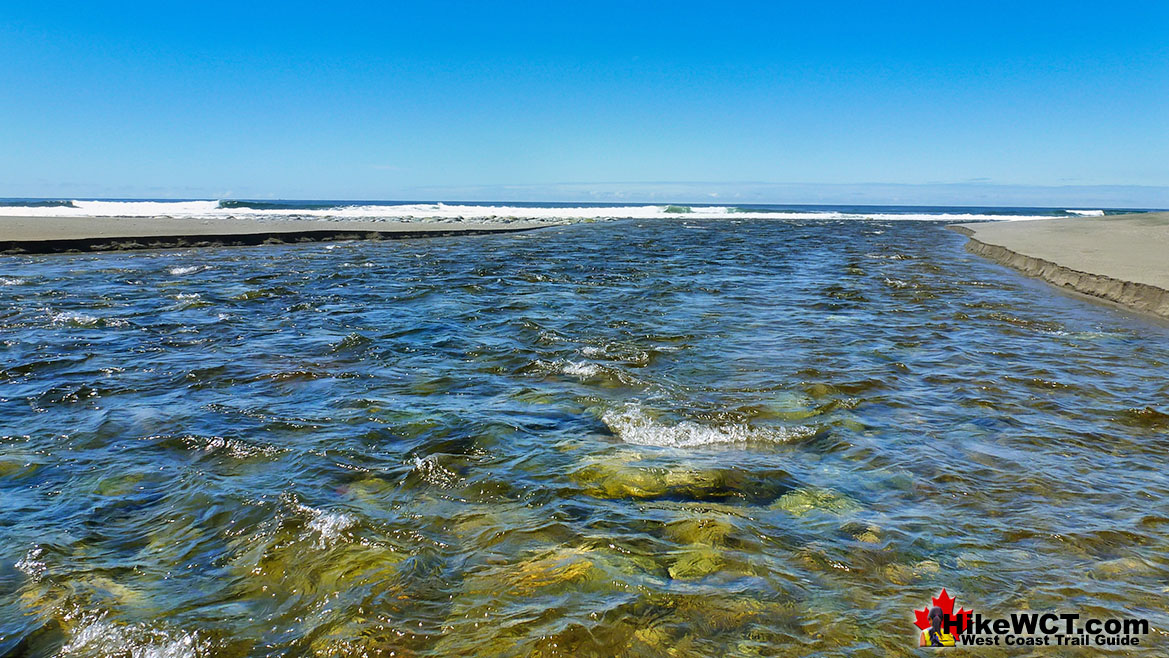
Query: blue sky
[[865, 101]]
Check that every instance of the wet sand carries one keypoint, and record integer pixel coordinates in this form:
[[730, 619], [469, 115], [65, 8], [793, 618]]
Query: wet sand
[[56, 234], [1122, 258]]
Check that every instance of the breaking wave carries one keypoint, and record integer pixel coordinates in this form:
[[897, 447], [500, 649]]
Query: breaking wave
[[632, 424], [95, 635], [213, 209]]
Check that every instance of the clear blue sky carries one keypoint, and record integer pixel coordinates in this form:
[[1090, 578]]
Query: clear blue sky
[[438, 100]]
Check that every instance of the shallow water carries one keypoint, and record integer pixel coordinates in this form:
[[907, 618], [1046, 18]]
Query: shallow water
[[657, 437]]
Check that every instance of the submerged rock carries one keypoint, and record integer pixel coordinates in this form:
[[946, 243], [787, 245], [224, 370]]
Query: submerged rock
[[700, 530], [807, 500], [903, 574], [118, 485], [625, 475], [557, 567], [697, 561], [871, 535], [503, 608]]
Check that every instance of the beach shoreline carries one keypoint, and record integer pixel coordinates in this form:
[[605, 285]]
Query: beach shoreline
[[41, 235], [1119, 259]]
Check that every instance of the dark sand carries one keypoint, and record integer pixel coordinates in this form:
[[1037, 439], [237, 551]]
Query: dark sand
[[55, 234]]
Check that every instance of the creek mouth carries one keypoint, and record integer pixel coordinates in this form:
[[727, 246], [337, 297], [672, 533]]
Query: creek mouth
[[595, 439]]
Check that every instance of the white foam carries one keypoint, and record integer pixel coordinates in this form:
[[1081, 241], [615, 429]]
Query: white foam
[[633, 425], [455, 211], [188, 269], [1086, 213], [329, 526], [69, 317], [580, 368], [32, 565], [432, 471], [95, 636], [233, 447], [6, 281]]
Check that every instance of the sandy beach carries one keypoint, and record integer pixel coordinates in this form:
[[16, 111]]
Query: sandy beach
[[56, 234], [1122, 259]]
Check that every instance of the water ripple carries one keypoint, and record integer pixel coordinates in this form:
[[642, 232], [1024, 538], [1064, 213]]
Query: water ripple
[[592, 440]]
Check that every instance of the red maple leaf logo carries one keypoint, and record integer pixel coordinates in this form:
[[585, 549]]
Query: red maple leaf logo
[[946, 603]]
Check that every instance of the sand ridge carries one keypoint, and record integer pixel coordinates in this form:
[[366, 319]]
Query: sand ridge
[[1119, 258]]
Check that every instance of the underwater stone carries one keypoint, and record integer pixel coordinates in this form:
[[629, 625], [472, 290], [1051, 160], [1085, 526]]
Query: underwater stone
[[804, 501], [703, 530], [696, 562]]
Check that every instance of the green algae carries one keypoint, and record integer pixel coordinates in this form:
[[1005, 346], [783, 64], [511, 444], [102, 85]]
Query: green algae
[[624, 480], [19, 466], [697, 561], [528, 590], [119, 485], [700, 530], [805, 501]]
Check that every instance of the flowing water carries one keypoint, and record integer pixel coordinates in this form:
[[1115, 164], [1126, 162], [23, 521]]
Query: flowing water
[[676, 437]]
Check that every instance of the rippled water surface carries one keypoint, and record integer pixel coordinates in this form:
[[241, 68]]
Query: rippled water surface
[[657, 437]]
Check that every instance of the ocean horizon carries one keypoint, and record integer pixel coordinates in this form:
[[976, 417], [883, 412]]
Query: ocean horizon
[[538, 211]]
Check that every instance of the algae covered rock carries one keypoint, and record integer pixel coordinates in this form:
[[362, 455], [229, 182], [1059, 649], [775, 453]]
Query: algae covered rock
[[621, 476], [871, 535], [697, 561], [808, 500], [621, 480], [505, 608], [555, 567], [700, 530], [118, 485], [903, 574]]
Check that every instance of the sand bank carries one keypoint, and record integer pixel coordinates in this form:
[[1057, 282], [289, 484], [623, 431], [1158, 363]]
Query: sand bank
[[1122, 258], [55, 234]]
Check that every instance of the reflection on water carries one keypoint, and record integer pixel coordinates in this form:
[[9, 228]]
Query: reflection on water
[[653, 438]]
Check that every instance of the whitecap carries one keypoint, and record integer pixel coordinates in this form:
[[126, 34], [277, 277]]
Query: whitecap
[[32, 565], [71, 317], [186, 269], [232, 447], [465, 212], [580, 368], [11, 281], [1086, 213], [632, 424], [329, 526], [94, 635], [432, 471]]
